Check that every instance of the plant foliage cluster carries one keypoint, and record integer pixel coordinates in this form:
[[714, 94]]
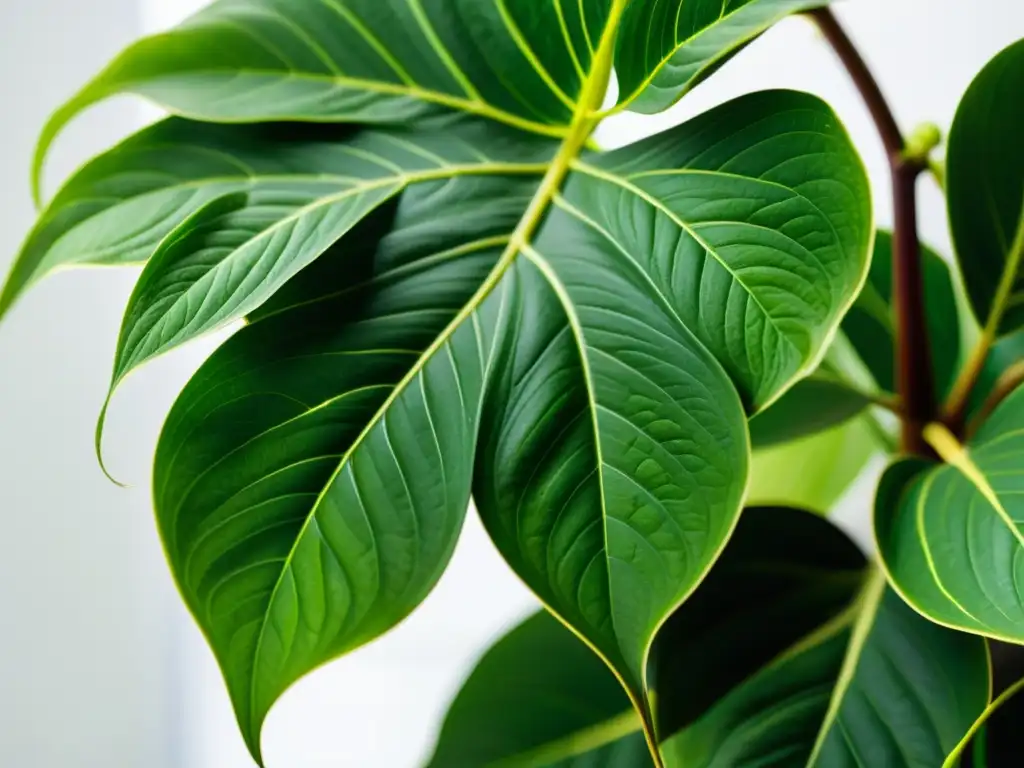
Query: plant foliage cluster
[[653, 370]]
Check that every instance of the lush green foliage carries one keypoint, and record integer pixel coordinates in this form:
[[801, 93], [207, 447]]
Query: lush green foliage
[[450, 293]]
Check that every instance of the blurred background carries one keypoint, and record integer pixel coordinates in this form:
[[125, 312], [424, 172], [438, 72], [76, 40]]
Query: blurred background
[[100, 665]]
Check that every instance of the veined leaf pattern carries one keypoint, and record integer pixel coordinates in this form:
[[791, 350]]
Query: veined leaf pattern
[[952, 536], [667, 47], [450, 304]]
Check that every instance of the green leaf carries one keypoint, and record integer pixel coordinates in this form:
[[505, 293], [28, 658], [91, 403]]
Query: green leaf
[[785, 574], [235, 252], [1003, 363], [870, 325], [813, 405], [880, 686], [813, 472], [312, 478], [994, 739], [365, 61], [668, 47], [950, 535], [614, 448], [985, 188], [540, 697], [593, 339], [122, 205]]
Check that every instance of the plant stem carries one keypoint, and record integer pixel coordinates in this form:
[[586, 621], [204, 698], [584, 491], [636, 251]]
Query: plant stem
[[914, 382], [1005, 386]]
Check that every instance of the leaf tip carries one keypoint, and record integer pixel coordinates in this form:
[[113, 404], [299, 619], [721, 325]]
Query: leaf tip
[[98, 440]]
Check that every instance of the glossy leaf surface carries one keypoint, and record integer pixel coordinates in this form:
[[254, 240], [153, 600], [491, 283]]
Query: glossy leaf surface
[[870, 325], [364, 61], [951, 535], [649, 299], [123, 204], [540, 697], [667, 47], [985, 186], [236, 251]]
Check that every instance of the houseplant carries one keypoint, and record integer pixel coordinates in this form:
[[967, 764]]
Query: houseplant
[[449, 290]]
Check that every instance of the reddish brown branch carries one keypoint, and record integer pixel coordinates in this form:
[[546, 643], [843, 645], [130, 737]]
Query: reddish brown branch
[[914, 381]]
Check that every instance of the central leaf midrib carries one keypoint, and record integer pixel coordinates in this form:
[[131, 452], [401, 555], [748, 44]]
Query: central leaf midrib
[[591, 94]]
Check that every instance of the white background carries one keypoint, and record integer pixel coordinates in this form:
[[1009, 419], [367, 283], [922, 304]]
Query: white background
[[99, 664]]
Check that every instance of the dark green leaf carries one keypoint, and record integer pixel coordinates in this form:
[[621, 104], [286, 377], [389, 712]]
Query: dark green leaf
[[870, 325], [951, 535], [784, 574], [994, 740], [985, 184], [312, 479], [813, 405], [667, 47], [539, 697], [650, 296], [120, 206], [880, 686], [235, 252], [367, 61]]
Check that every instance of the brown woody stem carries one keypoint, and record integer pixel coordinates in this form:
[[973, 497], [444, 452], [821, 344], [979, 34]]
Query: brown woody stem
[[914, 383]]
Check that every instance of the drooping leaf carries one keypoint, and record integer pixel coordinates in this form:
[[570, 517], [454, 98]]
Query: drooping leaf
[[813, 405], [120, 206], [667, 47], [312, 478], [614, 447], [540, 697], [364, 61], [951, 535], [813, 472], [236, 251], [870, 325], [985, 188]]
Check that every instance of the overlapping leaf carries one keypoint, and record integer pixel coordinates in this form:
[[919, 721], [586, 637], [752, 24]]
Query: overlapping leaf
[[649, 298], [366, 61], [791, 653], [952, 536], [540, 697], [985, 184], [817, 403], [609, 327], [120, 206], [667, 47]]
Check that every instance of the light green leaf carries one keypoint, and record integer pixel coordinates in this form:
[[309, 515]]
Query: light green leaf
[[235, 252], [813, 405], [667, 47], [539, 697], [870, 324], [985, 187], [122, 205], [813, 472], [668, 276], [951, 535]]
